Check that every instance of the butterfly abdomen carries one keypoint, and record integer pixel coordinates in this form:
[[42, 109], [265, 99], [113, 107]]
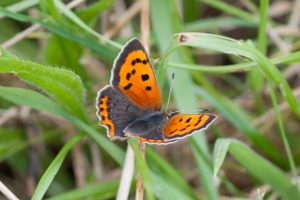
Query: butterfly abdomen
[[149, 124]]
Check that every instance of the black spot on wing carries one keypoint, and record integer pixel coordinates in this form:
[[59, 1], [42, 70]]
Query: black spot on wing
[[199, 120], [182, 129], [180, 120], [144, 62], [128, 75], [138, 60], [145, 77], [133, 62], [173, 131], [128, 86], [148, 88], [133, 72], [102, 117], [188, 120]]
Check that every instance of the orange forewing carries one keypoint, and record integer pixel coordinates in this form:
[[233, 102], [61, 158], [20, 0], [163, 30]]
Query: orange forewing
[[181, 125], [103, 114], [138, 81]]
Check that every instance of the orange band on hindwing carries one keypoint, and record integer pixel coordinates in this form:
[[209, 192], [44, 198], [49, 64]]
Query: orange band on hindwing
[[104, 118], [182, 125], [152, 141]]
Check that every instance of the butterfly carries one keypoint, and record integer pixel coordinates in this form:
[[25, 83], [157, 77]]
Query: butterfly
[[130, 106]]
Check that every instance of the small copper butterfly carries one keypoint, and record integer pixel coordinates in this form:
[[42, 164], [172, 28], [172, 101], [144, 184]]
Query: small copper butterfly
[[131, 104]]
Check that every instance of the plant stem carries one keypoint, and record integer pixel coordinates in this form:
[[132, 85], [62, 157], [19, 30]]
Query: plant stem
[[145, 37], [283, 134]]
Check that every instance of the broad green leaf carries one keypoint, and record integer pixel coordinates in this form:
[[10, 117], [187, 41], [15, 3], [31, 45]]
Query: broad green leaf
[[67, 54], [63, 86]]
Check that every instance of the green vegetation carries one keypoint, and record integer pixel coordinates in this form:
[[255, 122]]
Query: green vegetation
[[239, 58]]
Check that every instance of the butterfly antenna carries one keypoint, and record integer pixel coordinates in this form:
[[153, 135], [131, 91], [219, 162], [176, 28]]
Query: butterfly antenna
[[170, 92], [192, 111]]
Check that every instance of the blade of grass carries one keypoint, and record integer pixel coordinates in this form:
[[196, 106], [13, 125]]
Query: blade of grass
[[283, 134], [263, 23], [254, 78], [103, 190], [241, 121], [217, 23], [73, 17], [166, 21], [90, 12], [260, 168], [166, 190], [164, 169], [233, 10], [53, 168], [20, 6], [286, 59], [231, 46], [142, 168], [106, 51]]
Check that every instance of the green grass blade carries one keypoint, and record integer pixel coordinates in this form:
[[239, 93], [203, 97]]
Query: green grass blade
[[263, 23], [231, 46], [241, 121], [260, 168], [165, 19], [159, 166], [90, 12], [142, 168], [283, 133], [103, 190], [166, 190], [20, 6], [286, 59], [233, 10], [84, 26], [217, 23], [53, 168], [105, 51]]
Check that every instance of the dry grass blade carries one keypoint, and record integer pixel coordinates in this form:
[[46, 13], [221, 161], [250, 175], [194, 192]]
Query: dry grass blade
[[7, 192]]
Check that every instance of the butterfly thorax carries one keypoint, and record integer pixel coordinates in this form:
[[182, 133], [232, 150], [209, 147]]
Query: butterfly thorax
[[149, 123]]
